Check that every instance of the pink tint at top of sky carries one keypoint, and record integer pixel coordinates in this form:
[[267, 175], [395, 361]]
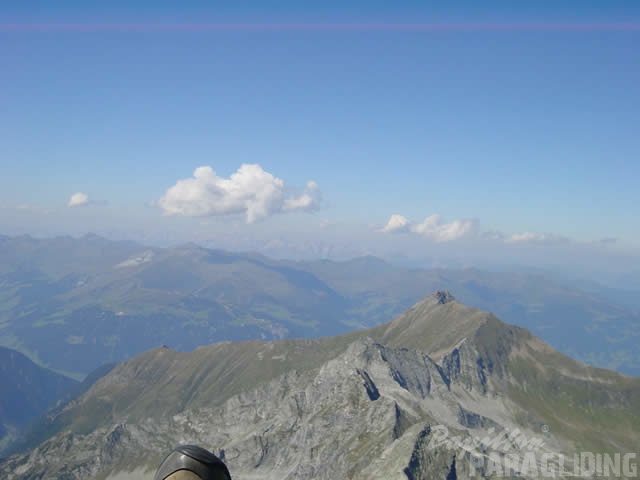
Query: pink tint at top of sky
[[315, 27]]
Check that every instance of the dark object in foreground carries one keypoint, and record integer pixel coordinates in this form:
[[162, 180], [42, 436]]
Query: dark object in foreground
[[190, 462]]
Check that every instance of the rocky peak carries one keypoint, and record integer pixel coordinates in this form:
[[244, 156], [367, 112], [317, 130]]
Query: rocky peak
[[358, 406], [442, 297]]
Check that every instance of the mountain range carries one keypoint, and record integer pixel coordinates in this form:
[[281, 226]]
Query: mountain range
[[74, 304], [405, 400]]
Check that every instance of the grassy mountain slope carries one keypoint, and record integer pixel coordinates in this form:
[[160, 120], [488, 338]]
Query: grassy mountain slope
[[75, 304], [440, 362]]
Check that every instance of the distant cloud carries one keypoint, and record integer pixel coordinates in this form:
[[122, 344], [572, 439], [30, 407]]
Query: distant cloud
[[250, 191], [26, 208], [307, 201], [397, 224], [78, 200], [493, 235], [525, 237], [432, 227], [436, 229], [537, 238]]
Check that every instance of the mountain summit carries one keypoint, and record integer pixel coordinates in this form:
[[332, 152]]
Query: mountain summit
[[442, 297], [368, 404]]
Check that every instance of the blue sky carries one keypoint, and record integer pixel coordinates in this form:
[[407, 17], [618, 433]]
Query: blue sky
[[521, 120]]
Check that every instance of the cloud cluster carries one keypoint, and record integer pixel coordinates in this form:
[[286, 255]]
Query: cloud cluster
[[433, 227], [250, 191], [78, 200]]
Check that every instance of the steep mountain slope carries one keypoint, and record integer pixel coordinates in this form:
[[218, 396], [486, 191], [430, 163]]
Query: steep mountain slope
[[368, 404], [592, 325], [27, 392]]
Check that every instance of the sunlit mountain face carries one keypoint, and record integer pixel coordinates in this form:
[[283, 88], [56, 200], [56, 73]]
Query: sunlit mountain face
[[396, 401]]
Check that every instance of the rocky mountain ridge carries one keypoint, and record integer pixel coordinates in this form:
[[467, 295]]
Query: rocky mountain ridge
[[368, 404]]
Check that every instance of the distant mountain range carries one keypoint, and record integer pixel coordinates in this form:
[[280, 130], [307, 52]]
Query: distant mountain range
[[372, 404], [73, 304], [28, 391]]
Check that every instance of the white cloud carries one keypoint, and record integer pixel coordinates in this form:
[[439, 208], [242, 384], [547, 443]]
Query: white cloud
[[250, 191], [27, 208], [309, 200], [78, 200], [537, 238], [494, 235], [436, 229], [432, 227], [396, 224]]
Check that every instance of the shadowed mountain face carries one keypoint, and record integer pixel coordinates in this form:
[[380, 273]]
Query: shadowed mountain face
[[27, 392], [75, 304], [369, 404]]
